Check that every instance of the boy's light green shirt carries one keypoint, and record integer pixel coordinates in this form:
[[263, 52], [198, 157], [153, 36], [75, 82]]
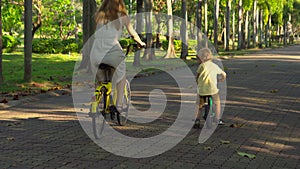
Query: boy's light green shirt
[[207, 80]]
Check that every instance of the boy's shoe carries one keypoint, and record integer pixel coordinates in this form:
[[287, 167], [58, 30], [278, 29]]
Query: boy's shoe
[[221, 122], [197, 124], [218, 121]]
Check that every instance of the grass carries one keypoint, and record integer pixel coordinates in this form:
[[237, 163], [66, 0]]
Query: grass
[[48, 71], [54, 71]]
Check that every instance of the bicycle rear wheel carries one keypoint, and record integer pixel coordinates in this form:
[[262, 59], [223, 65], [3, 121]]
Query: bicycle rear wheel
[[123, 114], [98, 121]]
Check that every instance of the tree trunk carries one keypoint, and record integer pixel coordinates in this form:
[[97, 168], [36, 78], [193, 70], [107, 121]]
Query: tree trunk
[[216, 18], [269, 30], [248, 30], [139, 29], [88, 26], [284, 31], [28, 41], [261, 24], [158, 21], [240, 20], [227, 36], [1, 73], [246, 40], [171, 50], [205, 23], [199, 25], [183, 31], [254, 23], [233, 28], [149, 51]]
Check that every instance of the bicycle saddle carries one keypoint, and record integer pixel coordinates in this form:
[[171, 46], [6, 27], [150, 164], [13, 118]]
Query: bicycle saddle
[[104, 66]]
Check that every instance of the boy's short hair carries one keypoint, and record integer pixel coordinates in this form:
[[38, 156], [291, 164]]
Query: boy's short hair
[[204, 54]]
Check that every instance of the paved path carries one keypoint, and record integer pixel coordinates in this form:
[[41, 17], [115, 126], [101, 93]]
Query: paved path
[[262, 118]]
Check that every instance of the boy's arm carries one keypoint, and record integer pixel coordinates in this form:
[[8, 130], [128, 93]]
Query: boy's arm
[[223, 74]]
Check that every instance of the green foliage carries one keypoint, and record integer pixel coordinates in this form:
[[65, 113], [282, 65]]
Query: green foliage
[[124, 42], [177, 44], [60, 18], [10, 43], [55, 46], [12, 17], [192, 44]]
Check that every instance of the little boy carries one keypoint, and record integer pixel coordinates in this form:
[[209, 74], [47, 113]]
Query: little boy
[[207, 78]]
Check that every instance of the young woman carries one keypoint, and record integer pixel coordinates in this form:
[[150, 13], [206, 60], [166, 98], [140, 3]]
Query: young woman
[[111, 18]]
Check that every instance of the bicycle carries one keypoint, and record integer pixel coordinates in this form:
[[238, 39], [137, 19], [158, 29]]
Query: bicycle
[[101, 101]]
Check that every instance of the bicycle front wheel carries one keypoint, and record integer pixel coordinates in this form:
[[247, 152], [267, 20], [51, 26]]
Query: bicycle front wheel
[[123, 114], [98, 121]]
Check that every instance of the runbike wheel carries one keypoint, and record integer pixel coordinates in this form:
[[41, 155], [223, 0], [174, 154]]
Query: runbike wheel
[[123, 115], [98, 121], [209, 113]]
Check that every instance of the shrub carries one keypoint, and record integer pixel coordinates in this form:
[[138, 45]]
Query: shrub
[[56, 46], [125, 42], [10, 43], [177, 44]]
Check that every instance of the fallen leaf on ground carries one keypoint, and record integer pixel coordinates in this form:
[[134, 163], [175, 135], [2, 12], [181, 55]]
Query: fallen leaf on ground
[[10, 138], [236, 125], [246, 155], [274, 91], [4, 101], [16, 97], [207, 148], [224, 141]]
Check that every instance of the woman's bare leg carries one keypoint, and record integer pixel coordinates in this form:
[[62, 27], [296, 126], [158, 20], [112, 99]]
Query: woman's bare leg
[[120, 92]]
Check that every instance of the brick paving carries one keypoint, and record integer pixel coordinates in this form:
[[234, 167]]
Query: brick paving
[[262, 116]]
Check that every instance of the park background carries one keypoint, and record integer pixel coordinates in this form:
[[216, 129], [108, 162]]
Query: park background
[[41, 45]]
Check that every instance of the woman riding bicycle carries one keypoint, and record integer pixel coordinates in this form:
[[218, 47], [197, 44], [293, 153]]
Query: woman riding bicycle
[[110, 18]]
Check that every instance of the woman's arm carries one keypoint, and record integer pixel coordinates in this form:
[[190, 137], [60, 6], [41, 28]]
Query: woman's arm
[[132, 32]]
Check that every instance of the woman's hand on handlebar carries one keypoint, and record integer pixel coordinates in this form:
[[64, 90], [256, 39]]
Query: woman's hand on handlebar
[[142, 45]]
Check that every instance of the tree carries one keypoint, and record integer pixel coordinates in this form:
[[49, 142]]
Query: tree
[[139, 25], [28, 41], [227, 36], [183, 31], [171, 50], [199, 25], [216, 18], [38, 22], [1, 73], [12, 13], [149, 51], [247, 5], [89, 25], [254, 36], [240, 20]]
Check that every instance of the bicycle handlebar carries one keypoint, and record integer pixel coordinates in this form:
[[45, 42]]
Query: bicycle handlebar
[[135, 46]]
